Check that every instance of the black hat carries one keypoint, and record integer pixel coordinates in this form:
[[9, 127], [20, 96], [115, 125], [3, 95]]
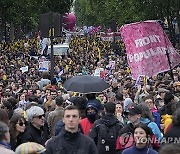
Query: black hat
[[110, 107], [134, 109]]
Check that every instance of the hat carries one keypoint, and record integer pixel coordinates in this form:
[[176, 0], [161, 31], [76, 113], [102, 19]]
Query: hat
[[110, 107], [94, 103], [127, 103], [134, 109], [162, 90], [30, 148], [176, 84]]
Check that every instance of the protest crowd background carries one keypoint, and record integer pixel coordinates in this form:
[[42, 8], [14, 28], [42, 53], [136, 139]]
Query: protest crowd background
[[27, 92]]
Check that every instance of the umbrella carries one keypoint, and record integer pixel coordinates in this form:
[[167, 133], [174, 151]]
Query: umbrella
[[85, 84], [30, 148]]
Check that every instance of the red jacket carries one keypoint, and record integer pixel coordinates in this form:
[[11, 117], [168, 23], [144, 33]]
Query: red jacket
[[86, 125]]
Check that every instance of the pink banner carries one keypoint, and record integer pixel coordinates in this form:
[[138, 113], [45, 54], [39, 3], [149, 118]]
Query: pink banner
[[146, 46]]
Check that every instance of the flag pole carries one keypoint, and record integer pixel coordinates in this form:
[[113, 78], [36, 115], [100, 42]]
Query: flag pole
[[167, 54]]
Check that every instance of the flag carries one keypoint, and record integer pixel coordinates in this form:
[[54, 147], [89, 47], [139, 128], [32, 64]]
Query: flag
[[24, 69], [60, 72], [147, 46], [145, 80], [99, 53]]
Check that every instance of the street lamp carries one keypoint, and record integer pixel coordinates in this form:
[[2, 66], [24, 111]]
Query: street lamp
[[51, 26]]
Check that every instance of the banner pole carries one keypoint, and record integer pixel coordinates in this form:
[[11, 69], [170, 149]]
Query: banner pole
[[167, 54]]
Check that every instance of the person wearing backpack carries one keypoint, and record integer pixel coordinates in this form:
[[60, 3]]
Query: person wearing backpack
[[105, 130]]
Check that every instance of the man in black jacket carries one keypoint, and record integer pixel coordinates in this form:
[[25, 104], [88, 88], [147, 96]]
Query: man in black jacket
[[105, 130], [70, 140]]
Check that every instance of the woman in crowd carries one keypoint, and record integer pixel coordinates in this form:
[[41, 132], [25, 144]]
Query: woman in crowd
[[141, 135], [147, 118], [119, 114], [17, 128]]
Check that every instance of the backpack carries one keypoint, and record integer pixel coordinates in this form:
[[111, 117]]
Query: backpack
[[107, 138]]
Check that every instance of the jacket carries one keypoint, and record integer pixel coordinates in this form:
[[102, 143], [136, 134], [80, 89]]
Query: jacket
[[86, 126], [53, 118], [71, 143], [32, 134], [172, 135], [155, 129], [125, 138], [15, 142], [43, 82], [5, 150], [167, 121], [157, 118], [135, 150]]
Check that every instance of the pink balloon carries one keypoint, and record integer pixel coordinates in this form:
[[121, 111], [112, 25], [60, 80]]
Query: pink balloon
[[70, 21]]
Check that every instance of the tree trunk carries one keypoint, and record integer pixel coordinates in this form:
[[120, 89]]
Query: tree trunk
[[12, 32]]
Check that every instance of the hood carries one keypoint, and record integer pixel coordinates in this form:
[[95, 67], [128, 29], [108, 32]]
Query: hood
[[165, 117], [154, 109], [144, 120], [109, 120]]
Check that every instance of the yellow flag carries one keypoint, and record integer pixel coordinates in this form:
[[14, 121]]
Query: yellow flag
[[128, 70], [75, 94], [99, 53], [67, 67], [70, 62], [145, 80], [4, 77]]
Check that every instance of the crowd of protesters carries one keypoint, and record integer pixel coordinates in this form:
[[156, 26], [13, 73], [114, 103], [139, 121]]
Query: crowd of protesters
[[35, 108]]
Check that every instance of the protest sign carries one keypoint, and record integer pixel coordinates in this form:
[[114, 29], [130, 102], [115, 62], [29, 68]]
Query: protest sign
[[147, 46], [24, 69]]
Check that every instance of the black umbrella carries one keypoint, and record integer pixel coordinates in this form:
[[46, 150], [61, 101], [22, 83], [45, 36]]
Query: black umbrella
[[85, 84]]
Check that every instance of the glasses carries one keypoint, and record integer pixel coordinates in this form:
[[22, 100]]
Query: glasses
[[40, 116], [21, 123]]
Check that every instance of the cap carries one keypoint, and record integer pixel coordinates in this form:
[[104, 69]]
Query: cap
[[133, 110]]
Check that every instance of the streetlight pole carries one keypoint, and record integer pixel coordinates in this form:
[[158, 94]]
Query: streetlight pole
[[51, 27], [52, 50], [178, 20]]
